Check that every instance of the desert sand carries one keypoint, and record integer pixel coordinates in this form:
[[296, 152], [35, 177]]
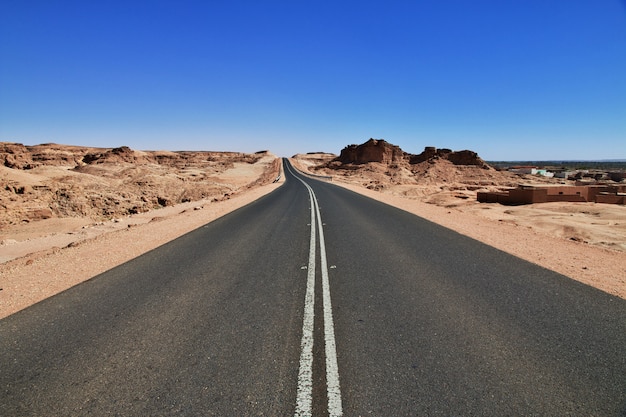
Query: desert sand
[[40, 257], [137, 202], [583, 241]]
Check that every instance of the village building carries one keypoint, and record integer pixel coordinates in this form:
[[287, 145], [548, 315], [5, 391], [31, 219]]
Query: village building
[[530, 194], [531, 170]]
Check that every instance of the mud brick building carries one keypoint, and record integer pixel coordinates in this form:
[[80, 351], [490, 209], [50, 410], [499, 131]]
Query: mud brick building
[[530, 194]]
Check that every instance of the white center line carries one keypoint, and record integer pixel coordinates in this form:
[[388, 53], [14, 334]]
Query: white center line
[[332, 370], [304, 397]]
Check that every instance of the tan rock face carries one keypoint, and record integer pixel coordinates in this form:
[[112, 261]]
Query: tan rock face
[[371, 151], [15, 155], [18, 156], [378, 165], [59, 181], [465, 157], [381, 151]]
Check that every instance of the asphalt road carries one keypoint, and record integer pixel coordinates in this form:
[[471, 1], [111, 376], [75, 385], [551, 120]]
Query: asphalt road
[[317, 301]]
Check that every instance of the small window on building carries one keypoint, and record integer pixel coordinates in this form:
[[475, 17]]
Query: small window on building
[[560, 192]]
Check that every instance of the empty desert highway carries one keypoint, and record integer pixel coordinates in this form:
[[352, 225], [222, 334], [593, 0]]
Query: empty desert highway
[[314, 300]]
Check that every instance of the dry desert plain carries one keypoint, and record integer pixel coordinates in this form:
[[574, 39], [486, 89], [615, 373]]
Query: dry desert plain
[[69, 213]]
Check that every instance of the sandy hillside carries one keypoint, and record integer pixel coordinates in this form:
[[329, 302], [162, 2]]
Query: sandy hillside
[[63, 193], [67, 182]]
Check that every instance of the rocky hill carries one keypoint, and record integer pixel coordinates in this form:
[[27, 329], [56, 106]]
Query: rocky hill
[[57, 181], [374, 150], [433, 175], [381, 151]]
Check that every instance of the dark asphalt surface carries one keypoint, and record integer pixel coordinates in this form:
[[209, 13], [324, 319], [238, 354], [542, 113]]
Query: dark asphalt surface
[[427, 322]]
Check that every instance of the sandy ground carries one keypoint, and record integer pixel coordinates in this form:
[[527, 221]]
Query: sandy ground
[[44, 258], [55, 265], [584, 241], [602, 268]]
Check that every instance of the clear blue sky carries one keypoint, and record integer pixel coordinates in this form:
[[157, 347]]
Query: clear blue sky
[[509, 79]]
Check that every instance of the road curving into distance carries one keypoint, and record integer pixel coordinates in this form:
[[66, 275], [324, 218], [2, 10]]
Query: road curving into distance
[[314, 300]]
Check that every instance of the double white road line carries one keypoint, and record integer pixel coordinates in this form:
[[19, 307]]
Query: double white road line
[[304, 399]]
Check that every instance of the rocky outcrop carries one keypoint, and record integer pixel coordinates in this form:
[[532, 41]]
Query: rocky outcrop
[[434, 172], [15, 155], [379, 150], [18, 156], [374, 150], [50, 180], [116, 155], [464, 157]]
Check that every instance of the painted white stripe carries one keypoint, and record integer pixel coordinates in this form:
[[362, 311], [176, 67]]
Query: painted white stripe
[[332, 370], [305, 377], [304, 398]]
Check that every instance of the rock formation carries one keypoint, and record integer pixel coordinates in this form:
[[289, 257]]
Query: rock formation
[[374, 150], [379, 165], [379, 150], [464, 157], [50, 180]]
